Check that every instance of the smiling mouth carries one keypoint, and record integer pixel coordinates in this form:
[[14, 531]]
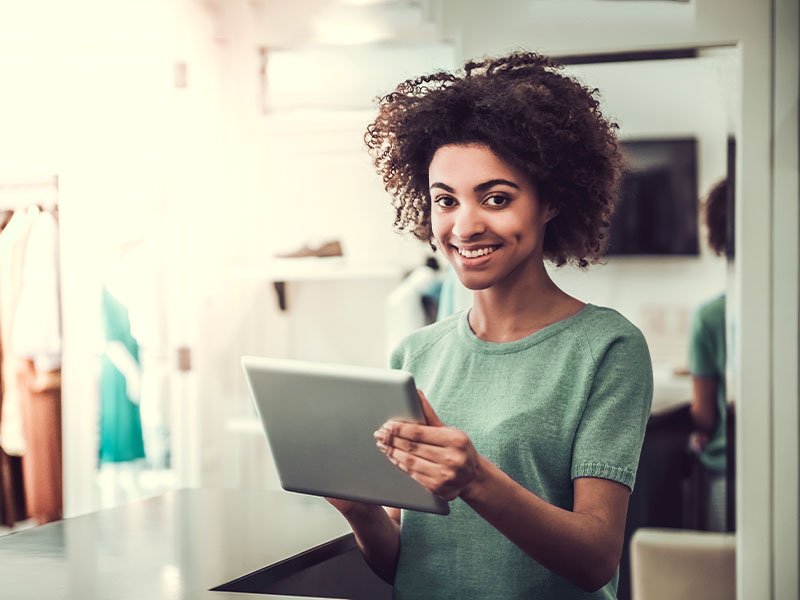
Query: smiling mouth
[[476, 252]]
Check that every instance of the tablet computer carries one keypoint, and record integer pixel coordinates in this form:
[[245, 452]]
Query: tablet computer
[[319, 419]]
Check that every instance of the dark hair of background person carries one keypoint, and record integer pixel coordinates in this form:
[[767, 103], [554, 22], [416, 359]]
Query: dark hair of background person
[[715, 211], [535, 118]]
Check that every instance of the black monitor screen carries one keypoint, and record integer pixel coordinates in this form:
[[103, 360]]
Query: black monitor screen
[[657, 208]]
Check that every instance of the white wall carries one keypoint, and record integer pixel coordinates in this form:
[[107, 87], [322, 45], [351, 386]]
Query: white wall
[[786, 240]]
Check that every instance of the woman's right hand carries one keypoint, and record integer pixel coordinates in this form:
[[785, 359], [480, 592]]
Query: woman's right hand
[[350, 508]]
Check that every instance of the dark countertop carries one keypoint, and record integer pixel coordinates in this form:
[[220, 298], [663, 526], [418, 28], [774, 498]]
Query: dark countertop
[[178, 545]]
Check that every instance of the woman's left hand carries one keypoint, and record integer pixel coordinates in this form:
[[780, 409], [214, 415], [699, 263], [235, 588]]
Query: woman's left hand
[[441, 458]]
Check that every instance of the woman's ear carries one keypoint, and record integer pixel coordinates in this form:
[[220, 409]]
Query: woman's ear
[[551, 213]]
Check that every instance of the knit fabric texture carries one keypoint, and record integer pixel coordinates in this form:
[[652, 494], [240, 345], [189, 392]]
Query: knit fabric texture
[[570, 400]]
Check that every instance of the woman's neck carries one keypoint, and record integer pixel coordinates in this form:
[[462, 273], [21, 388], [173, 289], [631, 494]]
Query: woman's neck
[[504, 313]]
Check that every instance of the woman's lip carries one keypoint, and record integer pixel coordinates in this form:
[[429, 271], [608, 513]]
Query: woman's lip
[[478, 260]]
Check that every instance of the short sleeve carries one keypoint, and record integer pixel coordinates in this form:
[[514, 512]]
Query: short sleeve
[[610, 433], [701, 350]]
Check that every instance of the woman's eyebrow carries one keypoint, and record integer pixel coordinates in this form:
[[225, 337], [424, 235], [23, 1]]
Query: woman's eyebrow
[[446, 188], [481, 187]]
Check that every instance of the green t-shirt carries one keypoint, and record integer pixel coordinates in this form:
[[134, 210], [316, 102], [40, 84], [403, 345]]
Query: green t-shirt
[[707, 359], [571, 400]]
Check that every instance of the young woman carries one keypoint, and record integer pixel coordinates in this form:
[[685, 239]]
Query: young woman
[[536, 402]]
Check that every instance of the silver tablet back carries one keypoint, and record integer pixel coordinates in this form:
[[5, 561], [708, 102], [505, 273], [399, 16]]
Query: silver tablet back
[[319, 419]]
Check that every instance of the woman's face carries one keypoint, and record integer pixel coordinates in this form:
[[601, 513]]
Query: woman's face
[[486, 218]]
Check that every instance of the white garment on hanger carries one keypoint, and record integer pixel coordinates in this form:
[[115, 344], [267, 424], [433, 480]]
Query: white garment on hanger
[[13, 244], [404, 309], [454, 297], [36, 331]]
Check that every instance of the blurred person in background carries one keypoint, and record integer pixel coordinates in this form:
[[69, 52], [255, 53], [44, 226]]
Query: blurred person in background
[[707, 359], [536, 402]]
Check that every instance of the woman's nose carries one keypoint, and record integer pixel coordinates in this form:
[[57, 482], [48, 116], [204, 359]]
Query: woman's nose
[[468, 222]]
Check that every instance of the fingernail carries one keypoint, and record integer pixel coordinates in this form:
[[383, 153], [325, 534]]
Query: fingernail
[[381, 446]]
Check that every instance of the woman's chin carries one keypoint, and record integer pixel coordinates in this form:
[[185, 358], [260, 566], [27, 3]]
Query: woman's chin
[[473, 283]]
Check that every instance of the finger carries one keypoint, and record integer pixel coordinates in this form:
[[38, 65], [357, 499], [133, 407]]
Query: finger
[[438, 436], [412, 464], [430, 416], [436, 478], [431, 452], [435, 454]]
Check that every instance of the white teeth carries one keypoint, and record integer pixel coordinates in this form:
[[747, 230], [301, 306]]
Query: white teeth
[[476, 253]]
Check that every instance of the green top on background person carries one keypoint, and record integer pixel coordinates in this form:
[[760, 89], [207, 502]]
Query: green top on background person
[[538, 400], [707, 364]]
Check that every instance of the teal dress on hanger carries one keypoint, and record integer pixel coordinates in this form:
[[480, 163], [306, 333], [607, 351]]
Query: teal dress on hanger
[[120, 421]]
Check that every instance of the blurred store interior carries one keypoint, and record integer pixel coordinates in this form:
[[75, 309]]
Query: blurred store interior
[[158, 157]]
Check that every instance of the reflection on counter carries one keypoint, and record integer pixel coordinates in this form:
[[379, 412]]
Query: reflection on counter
[[175, 546]]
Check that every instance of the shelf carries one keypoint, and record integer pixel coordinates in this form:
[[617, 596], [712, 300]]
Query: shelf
[[315, 269], [280, 271]]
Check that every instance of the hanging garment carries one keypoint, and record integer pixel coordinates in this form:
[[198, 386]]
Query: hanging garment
[[404, 308], [41, 418], [36, 345], [454, 296], [13, 245], [135, 279], [36, 333], [120, 421], [14, 230]]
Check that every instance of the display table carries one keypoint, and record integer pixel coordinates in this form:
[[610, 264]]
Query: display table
[[183, 544]]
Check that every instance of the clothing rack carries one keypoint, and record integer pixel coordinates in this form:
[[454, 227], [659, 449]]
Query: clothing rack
[[42, 497], [19, 195]]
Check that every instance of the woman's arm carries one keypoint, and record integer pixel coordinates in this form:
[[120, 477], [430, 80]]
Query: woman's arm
[[377, 532], [582, 545]]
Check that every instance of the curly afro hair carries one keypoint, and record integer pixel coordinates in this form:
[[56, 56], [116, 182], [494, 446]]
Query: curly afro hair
[[532, 116], [715, 210]]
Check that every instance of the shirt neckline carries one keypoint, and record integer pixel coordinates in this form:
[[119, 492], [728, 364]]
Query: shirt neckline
[[466, 333]]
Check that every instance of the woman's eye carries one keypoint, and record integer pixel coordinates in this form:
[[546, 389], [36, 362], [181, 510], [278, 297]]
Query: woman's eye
[[445, 201], [497, 201]]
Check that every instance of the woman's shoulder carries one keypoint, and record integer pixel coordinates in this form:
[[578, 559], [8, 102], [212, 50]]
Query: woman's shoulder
[[423, 339], [604, 327], [605, 318]]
